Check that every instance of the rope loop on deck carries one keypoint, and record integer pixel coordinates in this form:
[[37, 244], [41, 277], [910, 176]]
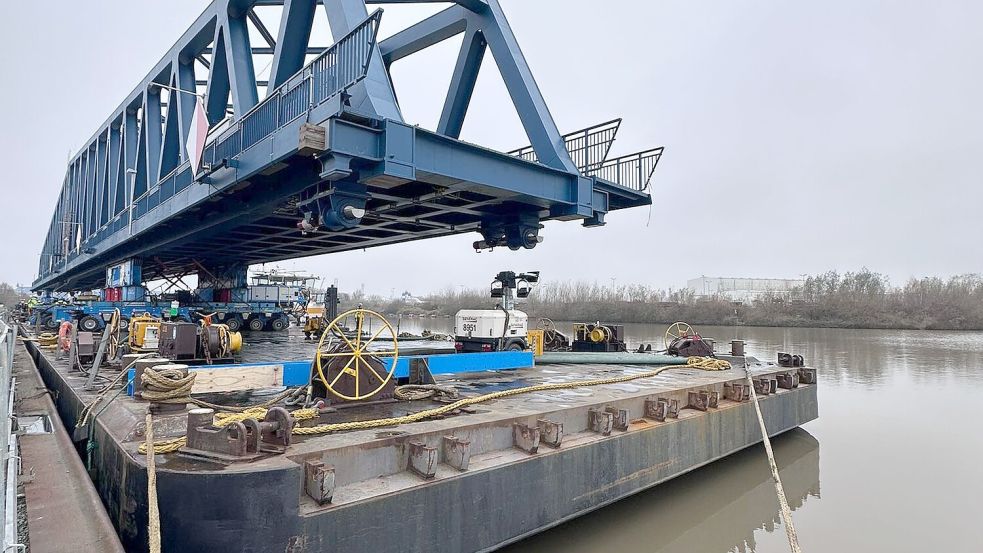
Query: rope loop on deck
[[415, 392], [167, 385]]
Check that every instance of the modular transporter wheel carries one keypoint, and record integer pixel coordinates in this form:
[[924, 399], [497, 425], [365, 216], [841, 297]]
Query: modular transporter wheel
[[89, 324], [256, 324]]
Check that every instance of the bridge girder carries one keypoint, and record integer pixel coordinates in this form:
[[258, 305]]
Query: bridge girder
[[133, 179]]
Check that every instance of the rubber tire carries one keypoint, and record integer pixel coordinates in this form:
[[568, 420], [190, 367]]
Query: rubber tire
[[278, 324], [89, 323], [514, 346], [49, 323], [234, 323], [255, 323]]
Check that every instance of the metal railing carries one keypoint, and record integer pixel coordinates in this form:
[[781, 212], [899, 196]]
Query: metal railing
[[588, 147], [8, 440], [335, 70], [633, 171]]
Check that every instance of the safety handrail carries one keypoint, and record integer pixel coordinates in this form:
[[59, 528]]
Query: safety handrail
[[8, 440], [633, 171], [333, 71], [588, 147]]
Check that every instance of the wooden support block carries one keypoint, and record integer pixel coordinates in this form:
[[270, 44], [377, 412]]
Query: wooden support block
[[525, 437], [550, 433], [312, 139], [457, 452]]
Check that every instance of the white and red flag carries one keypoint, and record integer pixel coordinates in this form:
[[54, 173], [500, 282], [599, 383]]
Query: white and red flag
[[196, 135]]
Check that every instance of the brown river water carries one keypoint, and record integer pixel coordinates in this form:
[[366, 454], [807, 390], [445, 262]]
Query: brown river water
[[894, 462]]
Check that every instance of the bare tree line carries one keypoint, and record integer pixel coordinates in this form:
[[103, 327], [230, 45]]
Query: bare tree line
[[862, 299]]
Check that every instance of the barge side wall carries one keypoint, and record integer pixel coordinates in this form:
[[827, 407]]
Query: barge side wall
[[478, 510]]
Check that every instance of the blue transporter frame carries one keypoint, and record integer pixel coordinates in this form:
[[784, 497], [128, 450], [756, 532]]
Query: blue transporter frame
[[324, 162]]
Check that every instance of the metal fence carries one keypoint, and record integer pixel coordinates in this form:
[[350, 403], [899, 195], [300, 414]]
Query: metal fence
[[8, 440], [336, 69], [588, 147], [633, 171]]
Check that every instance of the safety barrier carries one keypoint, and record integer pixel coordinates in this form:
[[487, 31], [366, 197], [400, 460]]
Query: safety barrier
[[335, 70], [8, 440], [633, 171], [588, 147]]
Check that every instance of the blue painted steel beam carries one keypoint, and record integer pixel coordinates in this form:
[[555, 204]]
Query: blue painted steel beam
[[294, 35], [374, 96], [432, 30], [462, 84], [473, 5], [298, 373]]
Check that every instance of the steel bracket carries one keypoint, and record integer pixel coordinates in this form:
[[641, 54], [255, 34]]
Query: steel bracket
[[600, 421], [457, 452], [551, 433], [808, 376], [620, 418], [525, 437], [788, 381], [737, 392], [423, 459], [698, 400], [662, 408], [319, 481]]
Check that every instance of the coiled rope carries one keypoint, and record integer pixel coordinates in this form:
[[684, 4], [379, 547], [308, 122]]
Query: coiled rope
[[702, 363], [172, 385]]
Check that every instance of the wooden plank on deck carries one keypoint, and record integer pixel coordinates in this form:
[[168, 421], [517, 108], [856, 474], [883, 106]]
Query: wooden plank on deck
[[236, 379]]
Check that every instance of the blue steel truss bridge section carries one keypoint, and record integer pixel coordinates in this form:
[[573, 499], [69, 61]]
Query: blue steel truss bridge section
[[317, 158]]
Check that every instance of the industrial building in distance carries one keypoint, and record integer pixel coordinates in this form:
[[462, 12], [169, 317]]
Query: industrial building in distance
[[744, 289]]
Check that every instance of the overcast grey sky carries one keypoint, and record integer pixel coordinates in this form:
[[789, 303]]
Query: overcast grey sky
[[800, 136]]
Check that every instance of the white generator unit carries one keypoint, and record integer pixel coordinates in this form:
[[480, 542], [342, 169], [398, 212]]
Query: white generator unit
[[504, 328], [490, 330]]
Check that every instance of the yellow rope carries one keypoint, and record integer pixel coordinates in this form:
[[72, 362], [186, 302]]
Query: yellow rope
[[153, 526], [702, 363]]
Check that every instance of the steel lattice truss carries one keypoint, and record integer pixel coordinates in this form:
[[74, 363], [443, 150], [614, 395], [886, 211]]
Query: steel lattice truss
[[130, 192]]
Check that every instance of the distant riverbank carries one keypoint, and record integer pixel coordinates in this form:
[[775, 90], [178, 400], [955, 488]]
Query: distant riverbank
[[854, 300]]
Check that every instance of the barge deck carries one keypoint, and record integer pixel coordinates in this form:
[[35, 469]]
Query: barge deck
[[474, 480]]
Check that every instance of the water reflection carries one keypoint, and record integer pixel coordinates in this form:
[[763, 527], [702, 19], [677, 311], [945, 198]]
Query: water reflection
[[713, 509], [900, 442]]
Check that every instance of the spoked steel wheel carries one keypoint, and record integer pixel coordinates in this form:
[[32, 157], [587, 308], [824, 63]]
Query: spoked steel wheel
[[345, 365], [678, 330]]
